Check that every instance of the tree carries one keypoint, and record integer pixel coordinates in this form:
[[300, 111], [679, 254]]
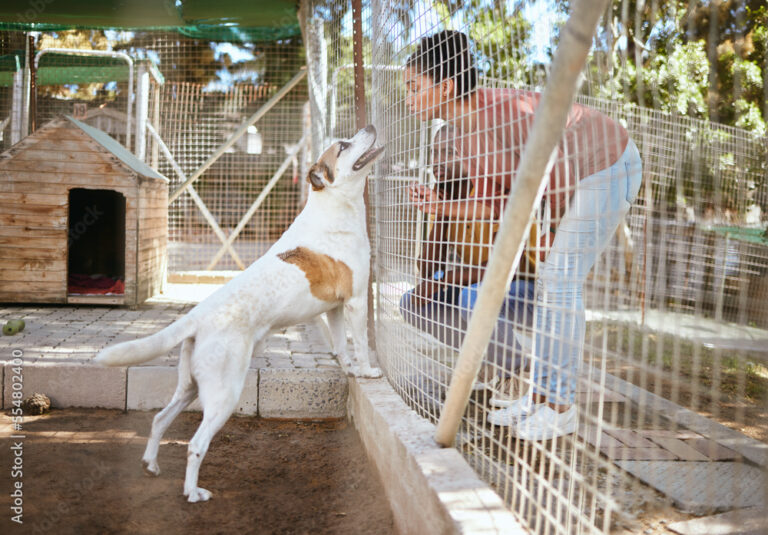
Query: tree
[[702, 59]]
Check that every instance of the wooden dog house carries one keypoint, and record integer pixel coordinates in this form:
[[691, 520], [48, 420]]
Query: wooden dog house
[[82, 220]]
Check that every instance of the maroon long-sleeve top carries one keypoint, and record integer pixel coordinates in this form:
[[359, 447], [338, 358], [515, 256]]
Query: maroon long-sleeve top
[[490, 153]]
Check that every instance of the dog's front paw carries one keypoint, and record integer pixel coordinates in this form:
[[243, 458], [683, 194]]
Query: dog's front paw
[[344, 359], [365, 371], [198, 495], [151, 467]]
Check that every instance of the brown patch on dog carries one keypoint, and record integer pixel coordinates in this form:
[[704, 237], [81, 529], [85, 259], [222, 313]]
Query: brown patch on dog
[[329, 279], [323, 169], [317, 173]]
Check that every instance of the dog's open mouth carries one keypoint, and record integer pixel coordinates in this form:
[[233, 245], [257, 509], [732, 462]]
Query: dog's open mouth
[[367, 157]]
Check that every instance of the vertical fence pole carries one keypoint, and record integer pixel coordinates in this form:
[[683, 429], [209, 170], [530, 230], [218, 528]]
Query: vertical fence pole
[[23, 130], [142, 111], [18, 102], [361, 120], [357, 50], [32, 86], [528, 186]]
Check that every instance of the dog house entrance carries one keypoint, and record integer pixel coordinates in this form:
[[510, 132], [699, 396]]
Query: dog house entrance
[[96, 246]]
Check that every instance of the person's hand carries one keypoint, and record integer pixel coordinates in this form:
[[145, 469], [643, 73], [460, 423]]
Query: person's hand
[[427, 200]]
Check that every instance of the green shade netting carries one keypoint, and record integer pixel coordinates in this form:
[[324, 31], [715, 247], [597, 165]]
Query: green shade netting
[[220, 20], [752, 235], [224, 20], [60, 69]]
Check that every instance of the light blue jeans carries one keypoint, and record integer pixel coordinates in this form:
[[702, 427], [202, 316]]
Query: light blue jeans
[[597, 207]]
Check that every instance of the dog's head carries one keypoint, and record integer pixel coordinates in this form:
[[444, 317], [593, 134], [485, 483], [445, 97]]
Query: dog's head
[[346, 161]]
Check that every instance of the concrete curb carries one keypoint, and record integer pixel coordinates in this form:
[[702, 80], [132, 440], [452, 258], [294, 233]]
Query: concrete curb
[[430, 489], [70, 384], [300, 394], [290, 393]]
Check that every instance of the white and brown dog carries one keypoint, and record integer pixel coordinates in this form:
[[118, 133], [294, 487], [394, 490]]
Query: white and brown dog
[[319, 265]]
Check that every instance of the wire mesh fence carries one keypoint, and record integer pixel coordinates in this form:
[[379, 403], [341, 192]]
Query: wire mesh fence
[[643, 319], [670, 390], [199, 92]]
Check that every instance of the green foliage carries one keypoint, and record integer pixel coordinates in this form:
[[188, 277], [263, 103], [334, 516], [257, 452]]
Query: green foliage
[[702, 59], [673, 82], [492, 39]]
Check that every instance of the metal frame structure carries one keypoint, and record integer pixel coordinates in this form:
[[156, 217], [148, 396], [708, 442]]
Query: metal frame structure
[[103, 53]]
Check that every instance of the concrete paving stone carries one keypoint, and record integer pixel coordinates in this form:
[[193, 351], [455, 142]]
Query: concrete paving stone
[[258, 362], [712, 449], [589, 434], [276, 352], [590, 392], [630, 438], [669, 433], [702, 488], [638, 454], [70, 384], [293, 335], [305, 365], [317, 349], [123, 337], [302, 394], [92, 330], [279, 363], [305, 362], [750, 521], [683, 451], [304, 355]]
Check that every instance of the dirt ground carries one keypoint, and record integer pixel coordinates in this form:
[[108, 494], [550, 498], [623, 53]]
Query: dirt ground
[[82, 474]]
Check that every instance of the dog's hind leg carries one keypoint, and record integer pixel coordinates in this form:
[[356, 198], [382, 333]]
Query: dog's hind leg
[[219, 388], [184, 395], [321, 325]]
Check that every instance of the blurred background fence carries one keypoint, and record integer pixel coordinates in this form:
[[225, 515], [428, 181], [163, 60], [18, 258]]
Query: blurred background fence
[[200, 91]]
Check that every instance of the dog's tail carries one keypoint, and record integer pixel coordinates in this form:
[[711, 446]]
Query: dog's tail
[[144, 349]]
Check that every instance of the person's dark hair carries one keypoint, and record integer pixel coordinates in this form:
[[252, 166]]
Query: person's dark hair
[[445, 56]]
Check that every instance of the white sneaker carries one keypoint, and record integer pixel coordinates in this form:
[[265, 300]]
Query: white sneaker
[[544, 423], [520, 408], [502, 393]]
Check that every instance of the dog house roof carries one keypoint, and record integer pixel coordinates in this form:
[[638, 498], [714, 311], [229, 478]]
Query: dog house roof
[[111, 145]]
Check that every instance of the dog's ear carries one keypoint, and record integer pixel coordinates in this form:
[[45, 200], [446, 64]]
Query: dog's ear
[[317, 174]]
